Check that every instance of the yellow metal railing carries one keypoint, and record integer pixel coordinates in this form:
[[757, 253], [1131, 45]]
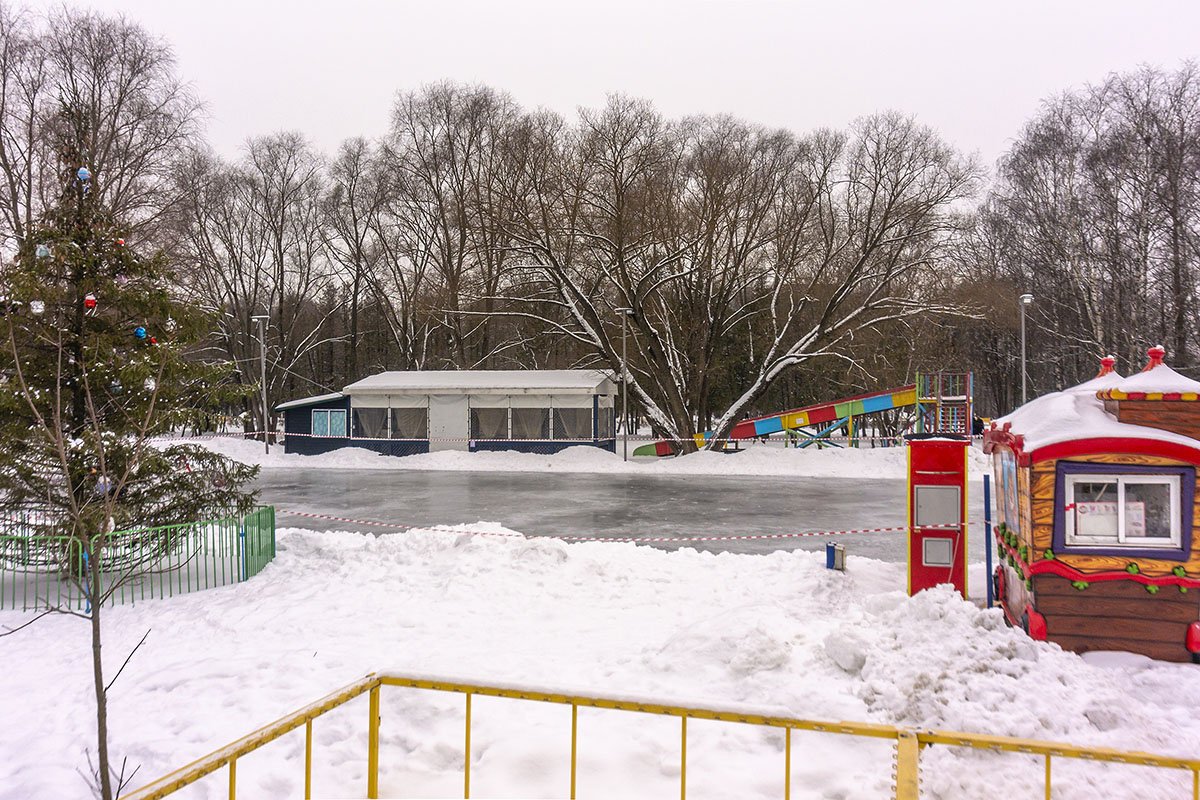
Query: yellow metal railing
[[909, 743]]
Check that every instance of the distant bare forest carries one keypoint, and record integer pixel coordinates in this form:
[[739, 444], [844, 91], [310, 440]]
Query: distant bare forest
[[763, 268]]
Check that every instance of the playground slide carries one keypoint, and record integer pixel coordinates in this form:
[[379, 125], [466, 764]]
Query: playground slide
[[831, 415]]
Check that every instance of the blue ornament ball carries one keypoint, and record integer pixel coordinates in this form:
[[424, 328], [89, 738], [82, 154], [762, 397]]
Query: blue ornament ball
[[84, 174], [139, 332]]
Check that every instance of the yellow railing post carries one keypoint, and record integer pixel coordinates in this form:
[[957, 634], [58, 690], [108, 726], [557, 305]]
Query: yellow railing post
[[683, 757], [1047, 776], [308, 760], [908, 754], [373, 744], [232, 779], [467, 753], [574, 745], [787, 764]]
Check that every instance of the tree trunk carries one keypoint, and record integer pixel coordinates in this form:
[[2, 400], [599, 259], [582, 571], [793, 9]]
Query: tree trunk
[[95, 594]]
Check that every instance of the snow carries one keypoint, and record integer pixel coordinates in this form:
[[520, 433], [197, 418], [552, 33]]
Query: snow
[[485, 381], [1077, 413], [775, 632], [755, 459], [1159, 378]]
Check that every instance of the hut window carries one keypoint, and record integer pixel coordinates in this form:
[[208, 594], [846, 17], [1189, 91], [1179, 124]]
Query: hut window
[[410, 423], [606, 422], [572, 423], [1140, 510], [329, 422], [370, 423], [531, 423], [489, 423]]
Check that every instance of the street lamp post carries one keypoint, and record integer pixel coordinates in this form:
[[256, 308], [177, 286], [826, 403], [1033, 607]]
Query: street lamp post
[[625, 313], [1026, 299], [261, 319]]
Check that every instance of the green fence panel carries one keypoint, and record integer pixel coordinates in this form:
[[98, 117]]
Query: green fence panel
[[40, 569]]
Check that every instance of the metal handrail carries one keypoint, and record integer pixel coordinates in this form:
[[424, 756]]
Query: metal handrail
[[909, 742]]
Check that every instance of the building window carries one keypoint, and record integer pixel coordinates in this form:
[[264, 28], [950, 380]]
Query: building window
[[607, 423], [370, 423], [531, 423], [329, 422], [1119, 510], [410, 423], [573, 423], [489, 423]]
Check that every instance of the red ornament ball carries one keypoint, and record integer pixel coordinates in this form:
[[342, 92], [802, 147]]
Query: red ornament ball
[[89, 302], [120, 242], [153, 340]]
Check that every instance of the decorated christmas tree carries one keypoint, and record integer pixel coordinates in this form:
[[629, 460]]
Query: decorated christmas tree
[[98, 361]]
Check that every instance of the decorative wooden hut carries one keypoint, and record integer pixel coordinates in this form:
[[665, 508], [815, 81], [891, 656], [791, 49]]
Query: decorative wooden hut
[[1096, 500]]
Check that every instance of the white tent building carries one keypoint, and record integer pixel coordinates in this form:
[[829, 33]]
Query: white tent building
[[400, 413]]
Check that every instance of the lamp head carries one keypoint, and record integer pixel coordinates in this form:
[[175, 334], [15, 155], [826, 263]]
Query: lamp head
[[1026, 299]]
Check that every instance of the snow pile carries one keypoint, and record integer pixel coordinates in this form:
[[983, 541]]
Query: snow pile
[[1077, 413], [776, 631], [754, 460], [1159, 378]]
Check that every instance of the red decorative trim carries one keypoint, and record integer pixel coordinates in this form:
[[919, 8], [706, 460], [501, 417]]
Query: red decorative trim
[[1037, 626], [1192, 639], [1117, 444], [1003, 437], [1056, 567]]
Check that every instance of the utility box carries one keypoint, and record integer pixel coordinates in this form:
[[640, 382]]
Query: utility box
[[937, 512]]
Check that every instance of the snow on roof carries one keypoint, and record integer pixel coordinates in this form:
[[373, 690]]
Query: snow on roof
[[309, 401], [1158, 379], [1077, 413], [485, 381]]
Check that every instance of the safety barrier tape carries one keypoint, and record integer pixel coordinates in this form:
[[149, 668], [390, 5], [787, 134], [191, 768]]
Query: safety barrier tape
[[636, 539], [279, 436]]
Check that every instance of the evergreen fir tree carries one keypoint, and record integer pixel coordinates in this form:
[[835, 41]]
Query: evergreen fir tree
[[98, 359]]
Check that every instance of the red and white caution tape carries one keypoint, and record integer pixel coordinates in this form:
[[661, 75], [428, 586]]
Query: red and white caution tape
[[636, 539], [280, 436]]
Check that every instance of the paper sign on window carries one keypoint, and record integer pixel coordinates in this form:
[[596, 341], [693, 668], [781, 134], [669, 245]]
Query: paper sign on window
[[1100, 519]]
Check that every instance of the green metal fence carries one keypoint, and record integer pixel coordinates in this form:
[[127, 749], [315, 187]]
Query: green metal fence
[[40, 570]]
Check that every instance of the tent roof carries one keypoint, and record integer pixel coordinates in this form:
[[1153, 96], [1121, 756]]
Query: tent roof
[[485, 381]]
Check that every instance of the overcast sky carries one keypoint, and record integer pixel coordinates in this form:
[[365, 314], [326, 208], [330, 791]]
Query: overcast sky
[[973, 70]]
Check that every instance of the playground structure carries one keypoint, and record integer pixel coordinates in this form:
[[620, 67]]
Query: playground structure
[[943, 402]]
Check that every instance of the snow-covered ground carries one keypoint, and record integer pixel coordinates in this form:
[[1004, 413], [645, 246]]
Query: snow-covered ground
[[755, 459], [774, 630]]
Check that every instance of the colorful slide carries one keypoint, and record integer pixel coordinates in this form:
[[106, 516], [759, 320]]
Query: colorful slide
[[831, 415]]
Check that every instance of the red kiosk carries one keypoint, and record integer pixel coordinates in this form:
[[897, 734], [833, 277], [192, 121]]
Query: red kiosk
[[937, 511]]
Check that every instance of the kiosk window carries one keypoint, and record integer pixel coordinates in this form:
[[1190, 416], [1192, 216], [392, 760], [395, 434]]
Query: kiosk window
[[1142, 510], [937, 505]]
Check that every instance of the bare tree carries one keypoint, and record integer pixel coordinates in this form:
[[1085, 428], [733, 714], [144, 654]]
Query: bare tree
[[1095, 210], [136, 116], [710, 228]]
